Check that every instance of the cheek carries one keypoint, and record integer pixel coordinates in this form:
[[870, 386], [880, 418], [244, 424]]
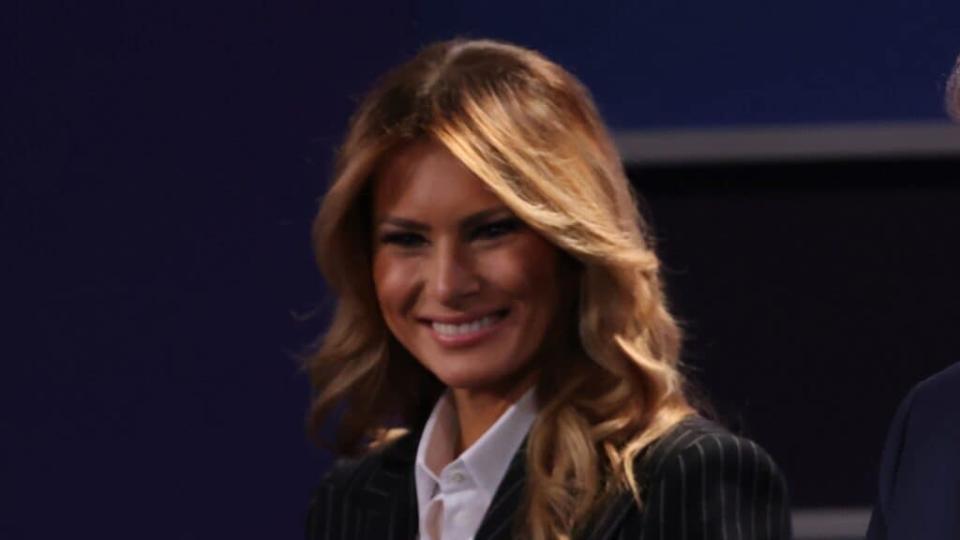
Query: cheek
[[394, 281], [528, 272]]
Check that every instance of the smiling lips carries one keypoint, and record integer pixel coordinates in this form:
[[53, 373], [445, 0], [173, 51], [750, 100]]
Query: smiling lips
[[468, 332]]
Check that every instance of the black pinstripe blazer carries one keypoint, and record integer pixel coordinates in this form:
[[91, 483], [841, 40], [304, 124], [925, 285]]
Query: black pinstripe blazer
[[699, 482]]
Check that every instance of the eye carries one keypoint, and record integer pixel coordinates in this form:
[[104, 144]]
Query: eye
[[403, 239], [496, 229]]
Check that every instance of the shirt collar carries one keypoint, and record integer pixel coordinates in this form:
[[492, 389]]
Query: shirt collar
[[486, 460]]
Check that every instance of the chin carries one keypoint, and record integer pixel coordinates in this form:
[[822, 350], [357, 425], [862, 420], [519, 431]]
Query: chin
[[470, 379], [461, 369], [490, 378]]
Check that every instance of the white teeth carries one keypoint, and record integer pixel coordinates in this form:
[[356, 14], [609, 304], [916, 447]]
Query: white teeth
[[466, 328]]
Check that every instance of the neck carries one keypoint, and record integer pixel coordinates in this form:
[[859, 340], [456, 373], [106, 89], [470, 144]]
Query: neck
[[477, 410]]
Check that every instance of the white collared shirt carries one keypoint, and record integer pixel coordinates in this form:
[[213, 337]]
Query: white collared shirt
[[454, 494]]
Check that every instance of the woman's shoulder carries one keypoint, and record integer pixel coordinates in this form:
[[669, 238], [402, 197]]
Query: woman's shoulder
[[698, 446], [354, 489], [700, 480], [347, 471]]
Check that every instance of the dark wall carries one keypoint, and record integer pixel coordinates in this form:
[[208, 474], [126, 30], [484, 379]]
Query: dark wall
[[700, 63], [814, 296], [161, 163]]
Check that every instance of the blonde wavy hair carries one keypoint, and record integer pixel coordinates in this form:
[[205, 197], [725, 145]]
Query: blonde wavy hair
[[530, 131]]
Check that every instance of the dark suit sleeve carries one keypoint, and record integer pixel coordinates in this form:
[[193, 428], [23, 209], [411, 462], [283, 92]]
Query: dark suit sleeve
[[888, 469], [919, 487], [718, 486]]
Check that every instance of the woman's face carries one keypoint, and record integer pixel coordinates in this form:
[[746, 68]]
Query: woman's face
[[463, 285]]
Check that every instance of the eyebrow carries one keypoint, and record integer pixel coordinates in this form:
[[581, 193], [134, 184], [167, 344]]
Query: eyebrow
[[468, 222]]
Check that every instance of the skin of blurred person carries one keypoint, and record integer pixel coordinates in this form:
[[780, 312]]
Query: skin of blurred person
[[952, 94], [502, 362]]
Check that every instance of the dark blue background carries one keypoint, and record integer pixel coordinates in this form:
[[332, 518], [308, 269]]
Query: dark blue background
[[161, 164]]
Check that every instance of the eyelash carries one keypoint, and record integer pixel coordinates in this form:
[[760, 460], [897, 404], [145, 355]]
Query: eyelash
[[487, 231], [402, 239], [495, 229]]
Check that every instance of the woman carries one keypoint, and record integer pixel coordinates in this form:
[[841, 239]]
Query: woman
[[501, 347]]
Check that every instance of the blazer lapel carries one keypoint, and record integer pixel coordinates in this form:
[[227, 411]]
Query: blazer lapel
[[498, 521], [386, 502]]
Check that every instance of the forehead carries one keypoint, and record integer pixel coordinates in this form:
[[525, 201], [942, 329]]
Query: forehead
[[425, 181]]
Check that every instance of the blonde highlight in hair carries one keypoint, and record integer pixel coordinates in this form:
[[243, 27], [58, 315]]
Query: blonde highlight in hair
[[529, 130]]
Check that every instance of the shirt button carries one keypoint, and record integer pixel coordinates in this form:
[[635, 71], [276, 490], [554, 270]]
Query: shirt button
[[457, 477]]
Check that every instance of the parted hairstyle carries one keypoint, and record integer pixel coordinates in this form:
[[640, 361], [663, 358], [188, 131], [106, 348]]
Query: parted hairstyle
[[530, 131]]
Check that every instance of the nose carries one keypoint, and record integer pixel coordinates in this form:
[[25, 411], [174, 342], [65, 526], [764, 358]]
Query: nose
[[452, 277]]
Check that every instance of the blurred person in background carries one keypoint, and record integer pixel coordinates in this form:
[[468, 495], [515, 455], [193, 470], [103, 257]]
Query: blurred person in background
[[502, 362], [919, 484]]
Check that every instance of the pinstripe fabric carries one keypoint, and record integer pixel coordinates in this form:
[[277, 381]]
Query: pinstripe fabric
[[699, 482], [374, 497]]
